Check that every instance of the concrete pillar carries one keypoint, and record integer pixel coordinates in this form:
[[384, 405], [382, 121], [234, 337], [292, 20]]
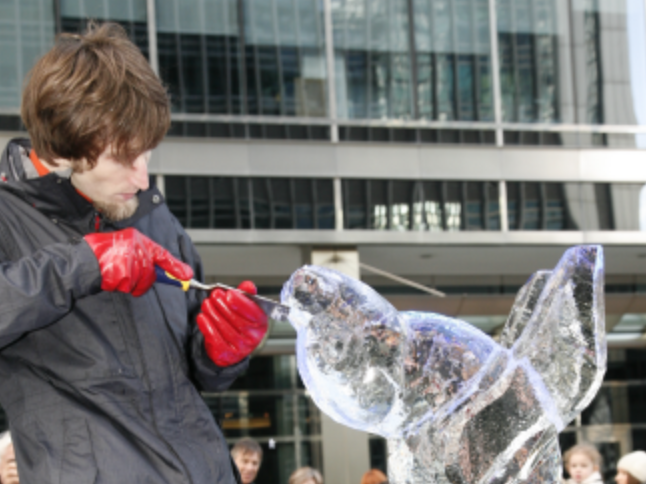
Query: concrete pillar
[[345, 451]]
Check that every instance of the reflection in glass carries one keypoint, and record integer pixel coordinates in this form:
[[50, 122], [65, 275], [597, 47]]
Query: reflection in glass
[[269, 404], [452, 211], [400, 216], [579, 61], [452, 54], [267, 373], [258, 203], [243, 56], [421, 205], [130, 14], [309, 417], [626, 208], [380, 217], [27, 33], [433, 216], [372, 59], [543, 206], [528, 56]]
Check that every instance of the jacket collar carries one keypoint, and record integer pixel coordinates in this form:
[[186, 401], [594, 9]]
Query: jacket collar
[[54, 195]]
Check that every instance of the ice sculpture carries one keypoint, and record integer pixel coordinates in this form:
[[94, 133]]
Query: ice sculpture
[[455, 405]]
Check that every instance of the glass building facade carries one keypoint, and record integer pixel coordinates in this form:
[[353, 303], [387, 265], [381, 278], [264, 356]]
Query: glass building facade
[[505, 72]]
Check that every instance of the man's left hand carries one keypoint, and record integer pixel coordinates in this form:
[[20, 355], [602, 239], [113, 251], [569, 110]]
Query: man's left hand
[[232, 325]]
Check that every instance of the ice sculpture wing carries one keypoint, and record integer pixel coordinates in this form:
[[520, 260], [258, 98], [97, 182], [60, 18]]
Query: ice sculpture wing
[[523, 308], [564, 334]]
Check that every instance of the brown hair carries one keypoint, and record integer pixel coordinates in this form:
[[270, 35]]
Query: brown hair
[[303, 474], [374, 476], [92, 91], [246, 446], [589, 450]]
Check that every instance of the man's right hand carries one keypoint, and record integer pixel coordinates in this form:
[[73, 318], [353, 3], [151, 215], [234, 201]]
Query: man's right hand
[[127, 260]]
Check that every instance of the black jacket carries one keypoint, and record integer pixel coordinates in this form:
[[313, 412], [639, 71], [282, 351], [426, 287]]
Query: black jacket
[[99, 387]]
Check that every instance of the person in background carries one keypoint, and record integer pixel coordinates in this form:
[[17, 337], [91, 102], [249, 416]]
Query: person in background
[[247, 455], [631, 468], [8, 467], [374, 476], [583, 462], [306, 475]]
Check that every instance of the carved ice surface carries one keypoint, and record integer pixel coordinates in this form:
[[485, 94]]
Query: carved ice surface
[[455, 405]]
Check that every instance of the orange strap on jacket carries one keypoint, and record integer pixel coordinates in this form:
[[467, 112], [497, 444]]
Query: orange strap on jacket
[[43, 170], [40, 168]]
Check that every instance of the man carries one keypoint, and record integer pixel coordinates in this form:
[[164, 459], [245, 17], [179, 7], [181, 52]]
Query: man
[[101, 367], [247, 455]]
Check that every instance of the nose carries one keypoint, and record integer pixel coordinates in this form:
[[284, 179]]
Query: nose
[[139, 176]]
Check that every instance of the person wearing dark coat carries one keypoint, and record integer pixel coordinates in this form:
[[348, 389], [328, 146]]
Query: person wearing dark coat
[[101, 367]]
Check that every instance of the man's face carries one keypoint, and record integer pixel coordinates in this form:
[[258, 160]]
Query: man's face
[[113, 186], [248, 464]]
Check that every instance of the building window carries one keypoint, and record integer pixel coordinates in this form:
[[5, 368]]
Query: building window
[[421, 205], [251, 203], [541, 206], [452, 53], [28, 30], [259, 57], [130, 14], [528, 48]]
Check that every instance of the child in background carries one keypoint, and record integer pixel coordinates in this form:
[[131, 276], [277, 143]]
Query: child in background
[[583, 462], [631, 468]]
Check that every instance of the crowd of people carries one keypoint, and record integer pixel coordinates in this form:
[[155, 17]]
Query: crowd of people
[[582, 463]]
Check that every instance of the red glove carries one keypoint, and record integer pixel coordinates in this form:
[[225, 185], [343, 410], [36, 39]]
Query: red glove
[[232, 325], [127, 260]]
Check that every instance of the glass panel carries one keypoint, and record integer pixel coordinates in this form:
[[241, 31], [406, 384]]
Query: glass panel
[[355, 199], [281, 206], [433, 206], [199, 202], [324, 199], [244, 202], [176, 197], [224, 212], [303, 204], [528, 43], [309, 417], [474, 206], [262, 219], [493, 206], [606, 206], [312, 454], [400, 207], [26, 32], [372, 59], [453, 206], [453, 59], [378, 204], [576, 62], [199, 58], [628, 202], [130, 14], [267, 372], [555, 216], [279, 70]]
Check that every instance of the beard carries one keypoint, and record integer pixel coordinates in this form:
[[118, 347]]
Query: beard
[[118, 211]]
